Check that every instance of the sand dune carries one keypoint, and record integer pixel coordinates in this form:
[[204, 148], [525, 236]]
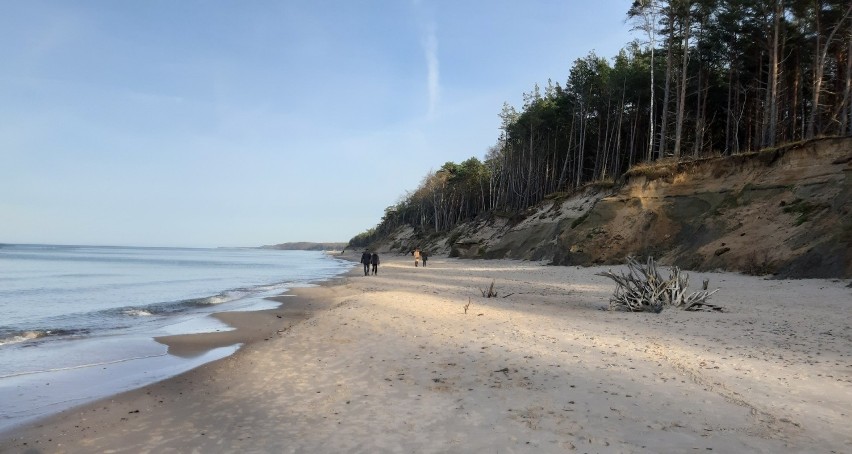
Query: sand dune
[[392, 363]]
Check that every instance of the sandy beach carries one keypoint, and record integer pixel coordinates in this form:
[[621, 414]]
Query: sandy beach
[[416, 360]]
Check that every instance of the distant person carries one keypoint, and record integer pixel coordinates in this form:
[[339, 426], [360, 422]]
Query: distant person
[[417, 257], [365, 260], [374, 260], [425, 257]]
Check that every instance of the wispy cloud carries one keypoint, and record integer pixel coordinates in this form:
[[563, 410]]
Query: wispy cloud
[[430, 47]]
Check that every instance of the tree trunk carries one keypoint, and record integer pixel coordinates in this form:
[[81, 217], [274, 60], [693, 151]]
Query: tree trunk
[[729, 111], [653, 44], [771, 130], [664, 120], [699, 118], [616, 152], [794, 107], [847, 95], [581, 146], [632, 158], [564, 174], [682, 97]]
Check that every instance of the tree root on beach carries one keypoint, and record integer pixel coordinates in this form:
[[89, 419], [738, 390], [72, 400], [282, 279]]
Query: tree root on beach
[[490, 292], [643, 289]]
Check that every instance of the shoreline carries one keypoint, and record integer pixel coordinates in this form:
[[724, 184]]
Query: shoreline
[[195, 350], [396, 362], [250, 326]]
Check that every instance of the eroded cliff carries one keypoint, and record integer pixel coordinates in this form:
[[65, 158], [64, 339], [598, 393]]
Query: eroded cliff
[[784, 211]]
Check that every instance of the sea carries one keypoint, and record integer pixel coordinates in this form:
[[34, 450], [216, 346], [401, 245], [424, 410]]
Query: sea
[[77, 323]]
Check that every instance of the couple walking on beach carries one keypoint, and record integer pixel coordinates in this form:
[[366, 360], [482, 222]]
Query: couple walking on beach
[[369, 260], [418, 255]]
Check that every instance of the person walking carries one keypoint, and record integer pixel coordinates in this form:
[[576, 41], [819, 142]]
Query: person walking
[[416, 257], [374, 260], [365, 260], [425, 257]]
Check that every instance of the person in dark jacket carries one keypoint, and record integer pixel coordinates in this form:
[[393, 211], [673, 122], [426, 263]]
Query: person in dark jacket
[[365, 260], [374, 260]]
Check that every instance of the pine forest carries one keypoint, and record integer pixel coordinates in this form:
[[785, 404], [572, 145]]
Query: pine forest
[[703, 78]]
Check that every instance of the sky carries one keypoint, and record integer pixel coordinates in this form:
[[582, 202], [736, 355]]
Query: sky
[[245, 123]]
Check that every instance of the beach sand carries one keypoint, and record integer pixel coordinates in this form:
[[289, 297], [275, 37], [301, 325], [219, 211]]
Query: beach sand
[[397, 363]]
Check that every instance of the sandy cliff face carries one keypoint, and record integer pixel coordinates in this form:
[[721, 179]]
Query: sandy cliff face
[[785, 212]]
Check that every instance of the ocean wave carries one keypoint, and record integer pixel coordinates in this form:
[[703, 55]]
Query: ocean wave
[[166, 308], [220, 298], [137, 313], [119, 318], [17, 337], [223, 297]]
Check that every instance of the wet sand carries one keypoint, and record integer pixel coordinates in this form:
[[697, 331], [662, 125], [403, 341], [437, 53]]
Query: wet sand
[[417, 360]]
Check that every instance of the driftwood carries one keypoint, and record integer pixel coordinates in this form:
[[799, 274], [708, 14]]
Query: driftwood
[[643, 289]]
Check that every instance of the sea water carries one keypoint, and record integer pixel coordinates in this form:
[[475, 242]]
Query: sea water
[[77, 322]]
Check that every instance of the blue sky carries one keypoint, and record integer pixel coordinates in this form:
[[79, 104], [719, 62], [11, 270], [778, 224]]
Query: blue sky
[[243, 123]]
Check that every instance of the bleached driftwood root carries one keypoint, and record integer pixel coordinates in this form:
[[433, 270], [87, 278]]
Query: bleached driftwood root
[[643, 289]]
